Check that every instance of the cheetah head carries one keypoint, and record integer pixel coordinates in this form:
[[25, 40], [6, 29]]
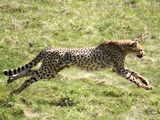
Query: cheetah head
[[137, 49]]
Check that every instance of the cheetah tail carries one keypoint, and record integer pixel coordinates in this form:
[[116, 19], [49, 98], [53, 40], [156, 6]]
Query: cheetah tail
[[27, 66]]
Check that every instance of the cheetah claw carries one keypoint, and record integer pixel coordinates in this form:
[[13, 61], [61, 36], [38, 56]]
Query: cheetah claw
[[149, 87]]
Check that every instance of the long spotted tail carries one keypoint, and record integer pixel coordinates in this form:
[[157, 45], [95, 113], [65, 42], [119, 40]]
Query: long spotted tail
[[27, 66]]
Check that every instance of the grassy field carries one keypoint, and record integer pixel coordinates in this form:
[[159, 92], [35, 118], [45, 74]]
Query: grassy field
[[28, 26]]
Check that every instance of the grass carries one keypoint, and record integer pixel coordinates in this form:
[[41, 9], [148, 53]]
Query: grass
[[27, 27]]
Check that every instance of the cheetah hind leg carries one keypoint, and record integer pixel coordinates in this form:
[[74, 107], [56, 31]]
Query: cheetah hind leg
[[15, 77], [20, 75], [26, 84], [34, 78], [37, 76]]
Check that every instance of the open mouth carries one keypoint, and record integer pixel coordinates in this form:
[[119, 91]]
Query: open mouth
[[139, 56]]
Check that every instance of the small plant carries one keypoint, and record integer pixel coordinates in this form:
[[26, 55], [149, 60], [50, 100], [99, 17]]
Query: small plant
[[131, 1], [65, 102]]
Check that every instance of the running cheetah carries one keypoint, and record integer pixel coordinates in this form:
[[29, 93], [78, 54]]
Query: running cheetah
[[105, 55]]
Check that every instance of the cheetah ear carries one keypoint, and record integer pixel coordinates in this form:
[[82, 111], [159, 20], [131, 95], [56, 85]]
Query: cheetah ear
[[134, 44]]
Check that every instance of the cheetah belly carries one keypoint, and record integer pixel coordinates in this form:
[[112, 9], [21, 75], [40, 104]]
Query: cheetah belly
[[91, 64], [94, 66]]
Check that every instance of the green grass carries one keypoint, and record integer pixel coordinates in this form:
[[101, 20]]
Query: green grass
[[27, 27]]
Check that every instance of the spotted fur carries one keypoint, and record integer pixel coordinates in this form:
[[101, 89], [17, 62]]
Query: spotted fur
[[105, 55]]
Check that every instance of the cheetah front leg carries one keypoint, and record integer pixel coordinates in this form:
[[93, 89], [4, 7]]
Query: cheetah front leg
[[125, 73], [138, 76]]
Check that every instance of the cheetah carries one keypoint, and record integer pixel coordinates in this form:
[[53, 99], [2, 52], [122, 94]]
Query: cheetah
[[105, 55]]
